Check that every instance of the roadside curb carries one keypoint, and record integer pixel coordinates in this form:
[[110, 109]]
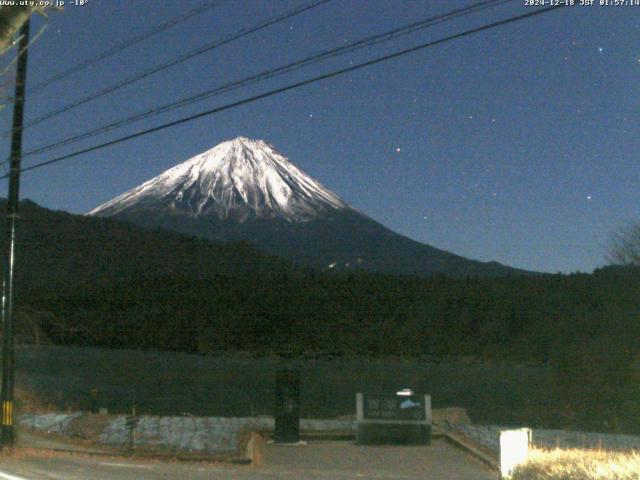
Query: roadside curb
[[472, 447], [166, 456]]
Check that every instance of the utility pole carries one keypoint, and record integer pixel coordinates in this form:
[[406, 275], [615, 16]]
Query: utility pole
[[8, 359]]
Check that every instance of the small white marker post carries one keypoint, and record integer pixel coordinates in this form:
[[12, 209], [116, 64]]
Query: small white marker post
[[514, 450]]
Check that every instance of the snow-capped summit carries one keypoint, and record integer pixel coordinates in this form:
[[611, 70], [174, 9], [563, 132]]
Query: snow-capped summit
[[236, 180]]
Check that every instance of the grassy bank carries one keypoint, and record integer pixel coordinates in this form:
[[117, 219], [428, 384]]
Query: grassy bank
[[579, 465]]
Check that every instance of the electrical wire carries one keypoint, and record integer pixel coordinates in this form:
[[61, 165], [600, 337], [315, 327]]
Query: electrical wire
[[271, 73], [182, 58], [119, 47], [292, 87]]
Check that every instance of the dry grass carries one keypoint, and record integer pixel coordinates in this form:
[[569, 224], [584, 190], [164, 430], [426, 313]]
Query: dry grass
[[28, 402], [579, 465], [88, 426]]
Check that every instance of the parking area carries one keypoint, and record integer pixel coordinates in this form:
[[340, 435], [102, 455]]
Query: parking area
[[346, 460]]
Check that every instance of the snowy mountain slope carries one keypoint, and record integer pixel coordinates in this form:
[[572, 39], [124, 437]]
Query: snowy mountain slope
[[245, 190], [237, 179]]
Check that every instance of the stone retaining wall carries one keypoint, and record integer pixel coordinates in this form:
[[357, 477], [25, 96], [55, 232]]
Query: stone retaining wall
[[180, 434]]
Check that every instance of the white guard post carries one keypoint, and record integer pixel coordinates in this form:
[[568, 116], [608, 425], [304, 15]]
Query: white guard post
[[514, 450]]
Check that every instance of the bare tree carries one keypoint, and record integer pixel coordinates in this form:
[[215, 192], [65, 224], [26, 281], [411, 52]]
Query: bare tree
[[31, 325], [624, 247], [11, 19]]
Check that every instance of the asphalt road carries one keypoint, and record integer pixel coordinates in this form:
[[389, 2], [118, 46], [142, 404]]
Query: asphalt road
[[317, 460]]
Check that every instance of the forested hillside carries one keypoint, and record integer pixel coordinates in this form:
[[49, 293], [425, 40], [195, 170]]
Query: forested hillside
[[102, 283]]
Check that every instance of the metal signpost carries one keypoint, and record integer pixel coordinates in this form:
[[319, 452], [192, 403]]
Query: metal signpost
[[131, 422]]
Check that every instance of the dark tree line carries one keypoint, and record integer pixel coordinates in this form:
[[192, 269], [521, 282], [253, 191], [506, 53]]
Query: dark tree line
[[518, 318]]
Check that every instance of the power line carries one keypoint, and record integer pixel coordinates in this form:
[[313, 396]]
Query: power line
[[367, 42], [291, 87], [119, 47], [182, 58]]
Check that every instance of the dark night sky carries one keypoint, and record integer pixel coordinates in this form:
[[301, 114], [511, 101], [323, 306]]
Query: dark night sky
[[518, 144]]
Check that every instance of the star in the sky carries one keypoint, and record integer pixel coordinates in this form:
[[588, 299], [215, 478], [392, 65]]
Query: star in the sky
[[600, 49], [397, 149]]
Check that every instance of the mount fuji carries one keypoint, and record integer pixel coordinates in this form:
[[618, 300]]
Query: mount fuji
[[244, 189]]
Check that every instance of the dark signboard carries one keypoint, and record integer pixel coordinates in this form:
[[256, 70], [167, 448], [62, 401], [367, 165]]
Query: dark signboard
[[287, 408], [394, 407]]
